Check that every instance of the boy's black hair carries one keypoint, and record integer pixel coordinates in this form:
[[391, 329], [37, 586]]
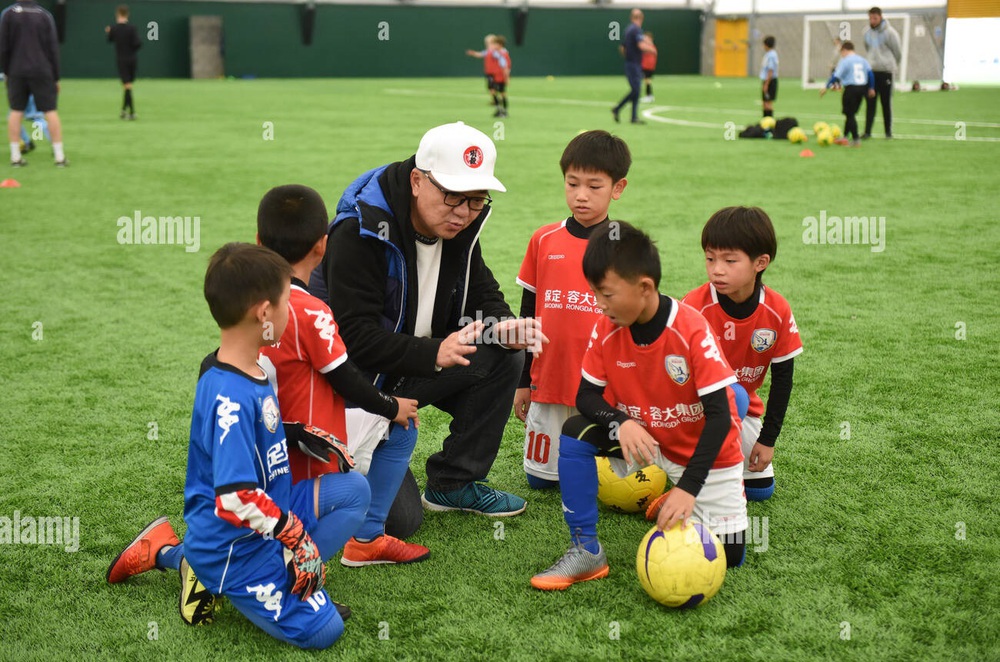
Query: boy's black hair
[[623, 248], [240, 276], [597, 151], [875, 10], [847, 45], [769, 41], [290, 220], [747, 229]]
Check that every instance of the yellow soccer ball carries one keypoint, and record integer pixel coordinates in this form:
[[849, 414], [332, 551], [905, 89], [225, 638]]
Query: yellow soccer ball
[[633, 493], [767, 123], [835, 131], [797, 135], [681, 567], [825, 138], [820, 127]]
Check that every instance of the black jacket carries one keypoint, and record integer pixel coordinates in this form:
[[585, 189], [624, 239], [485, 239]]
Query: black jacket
[[370, 271], [29, 47]]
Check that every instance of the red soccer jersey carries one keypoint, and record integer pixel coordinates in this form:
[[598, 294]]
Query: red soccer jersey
[[648, 60], [553, 270], [768, 336], [309, 348], [660, 385]]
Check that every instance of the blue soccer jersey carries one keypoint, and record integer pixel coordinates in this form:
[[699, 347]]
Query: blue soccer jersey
[[769, 63], [853, 70], [237, 443]]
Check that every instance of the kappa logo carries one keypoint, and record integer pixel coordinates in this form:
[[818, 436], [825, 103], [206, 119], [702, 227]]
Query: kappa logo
[[325, 325], [762, 340], [473, 157], [226, 416], [677, 368], [270, 413], [269, 597]]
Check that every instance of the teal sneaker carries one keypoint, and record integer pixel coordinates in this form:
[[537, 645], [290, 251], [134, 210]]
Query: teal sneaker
[[475, 498]]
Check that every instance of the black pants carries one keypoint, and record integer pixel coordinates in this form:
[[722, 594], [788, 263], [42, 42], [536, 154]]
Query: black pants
[[479, 398], [850, 103], [883, 91]]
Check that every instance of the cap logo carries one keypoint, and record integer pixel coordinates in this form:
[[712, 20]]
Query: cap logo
[[473, 157]]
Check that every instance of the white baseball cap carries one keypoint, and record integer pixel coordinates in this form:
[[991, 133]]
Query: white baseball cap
[[460, 158]]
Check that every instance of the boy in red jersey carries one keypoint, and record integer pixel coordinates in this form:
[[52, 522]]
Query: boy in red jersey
[[594, 166], [496, 68], [314, 376], [649, 67], [653, 391], [755, 328]]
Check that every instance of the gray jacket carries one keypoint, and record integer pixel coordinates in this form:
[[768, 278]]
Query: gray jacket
[[882, 47]]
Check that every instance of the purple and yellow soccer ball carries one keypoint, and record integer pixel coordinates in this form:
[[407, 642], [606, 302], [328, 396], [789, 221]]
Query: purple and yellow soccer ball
[[681, 568]]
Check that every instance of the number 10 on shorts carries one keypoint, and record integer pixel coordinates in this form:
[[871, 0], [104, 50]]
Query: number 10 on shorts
[[538, 447]]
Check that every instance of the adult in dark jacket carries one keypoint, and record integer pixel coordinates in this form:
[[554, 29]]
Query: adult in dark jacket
[[421, 312], [29, 59]]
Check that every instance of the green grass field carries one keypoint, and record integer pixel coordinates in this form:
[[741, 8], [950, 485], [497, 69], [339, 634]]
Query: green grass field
[[881, 540]]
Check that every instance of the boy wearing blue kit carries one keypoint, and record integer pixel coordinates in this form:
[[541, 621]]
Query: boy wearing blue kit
[[856, 76], [252, 536]]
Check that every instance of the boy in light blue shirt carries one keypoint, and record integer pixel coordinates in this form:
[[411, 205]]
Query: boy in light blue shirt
[[855, 75], [769, 76]]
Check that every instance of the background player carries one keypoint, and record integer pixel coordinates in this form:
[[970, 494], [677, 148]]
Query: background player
[[314, 375], [649, 67], [754, 326], [632, 48], [496, 68], [769, 76], [127, 44], [29, 59], [653, 391], [274, 572], [855, 74], [594, 166]]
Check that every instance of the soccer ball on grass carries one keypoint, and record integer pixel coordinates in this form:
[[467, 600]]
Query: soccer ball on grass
[[681, 567]]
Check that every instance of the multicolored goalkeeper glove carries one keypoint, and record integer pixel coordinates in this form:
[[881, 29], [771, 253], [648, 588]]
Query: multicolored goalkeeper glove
[[320, 444], [306, 562]]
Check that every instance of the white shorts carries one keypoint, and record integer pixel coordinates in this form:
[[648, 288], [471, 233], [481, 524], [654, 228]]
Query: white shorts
[[751, 432], [365, 431], [543, 425], [721, 504]]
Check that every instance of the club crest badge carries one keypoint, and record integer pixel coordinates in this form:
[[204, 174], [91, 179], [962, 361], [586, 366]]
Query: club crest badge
[[473, 157], [677, 368], [762, 340], [270, 413]]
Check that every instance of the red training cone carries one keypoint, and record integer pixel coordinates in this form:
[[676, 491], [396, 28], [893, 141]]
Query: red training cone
[[806, 153], [10, 183]]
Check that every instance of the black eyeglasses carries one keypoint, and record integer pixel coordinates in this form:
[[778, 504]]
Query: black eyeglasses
[[452, 199]]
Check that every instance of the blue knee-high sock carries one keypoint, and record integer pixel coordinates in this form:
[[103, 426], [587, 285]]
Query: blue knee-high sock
[[170, 557], [578, 486], [389, 463], [343, 502]]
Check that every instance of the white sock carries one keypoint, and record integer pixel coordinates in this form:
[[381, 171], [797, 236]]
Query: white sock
[[15, 152], [58, 150]]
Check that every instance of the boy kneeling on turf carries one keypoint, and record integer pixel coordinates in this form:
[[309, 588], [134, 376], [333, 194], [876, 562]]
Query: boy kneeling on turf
[[653, 391], [238, 477]]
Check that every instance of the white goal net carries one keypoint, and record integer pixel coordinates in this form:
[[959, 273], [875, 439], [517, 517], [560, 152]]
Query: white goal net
[[818, 48]]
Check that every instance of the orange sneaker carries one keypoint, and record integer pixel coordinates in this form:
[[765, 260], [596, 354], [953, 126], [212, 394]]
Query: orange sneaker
[[384, 549], [654, 508], [140, 555]]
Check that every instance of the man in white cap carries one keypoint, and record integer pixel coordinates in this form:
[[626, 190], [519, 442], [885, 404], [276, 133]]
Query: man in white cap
[[422, 314]]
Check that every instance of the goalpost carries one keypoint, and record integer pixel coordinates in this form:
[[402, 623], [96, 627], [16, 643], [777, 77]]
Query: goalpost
[[819, 31]]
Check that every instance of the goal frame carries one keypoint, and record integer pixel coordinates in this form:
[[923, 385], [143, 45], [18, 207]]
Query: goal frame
[[901, 79]]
